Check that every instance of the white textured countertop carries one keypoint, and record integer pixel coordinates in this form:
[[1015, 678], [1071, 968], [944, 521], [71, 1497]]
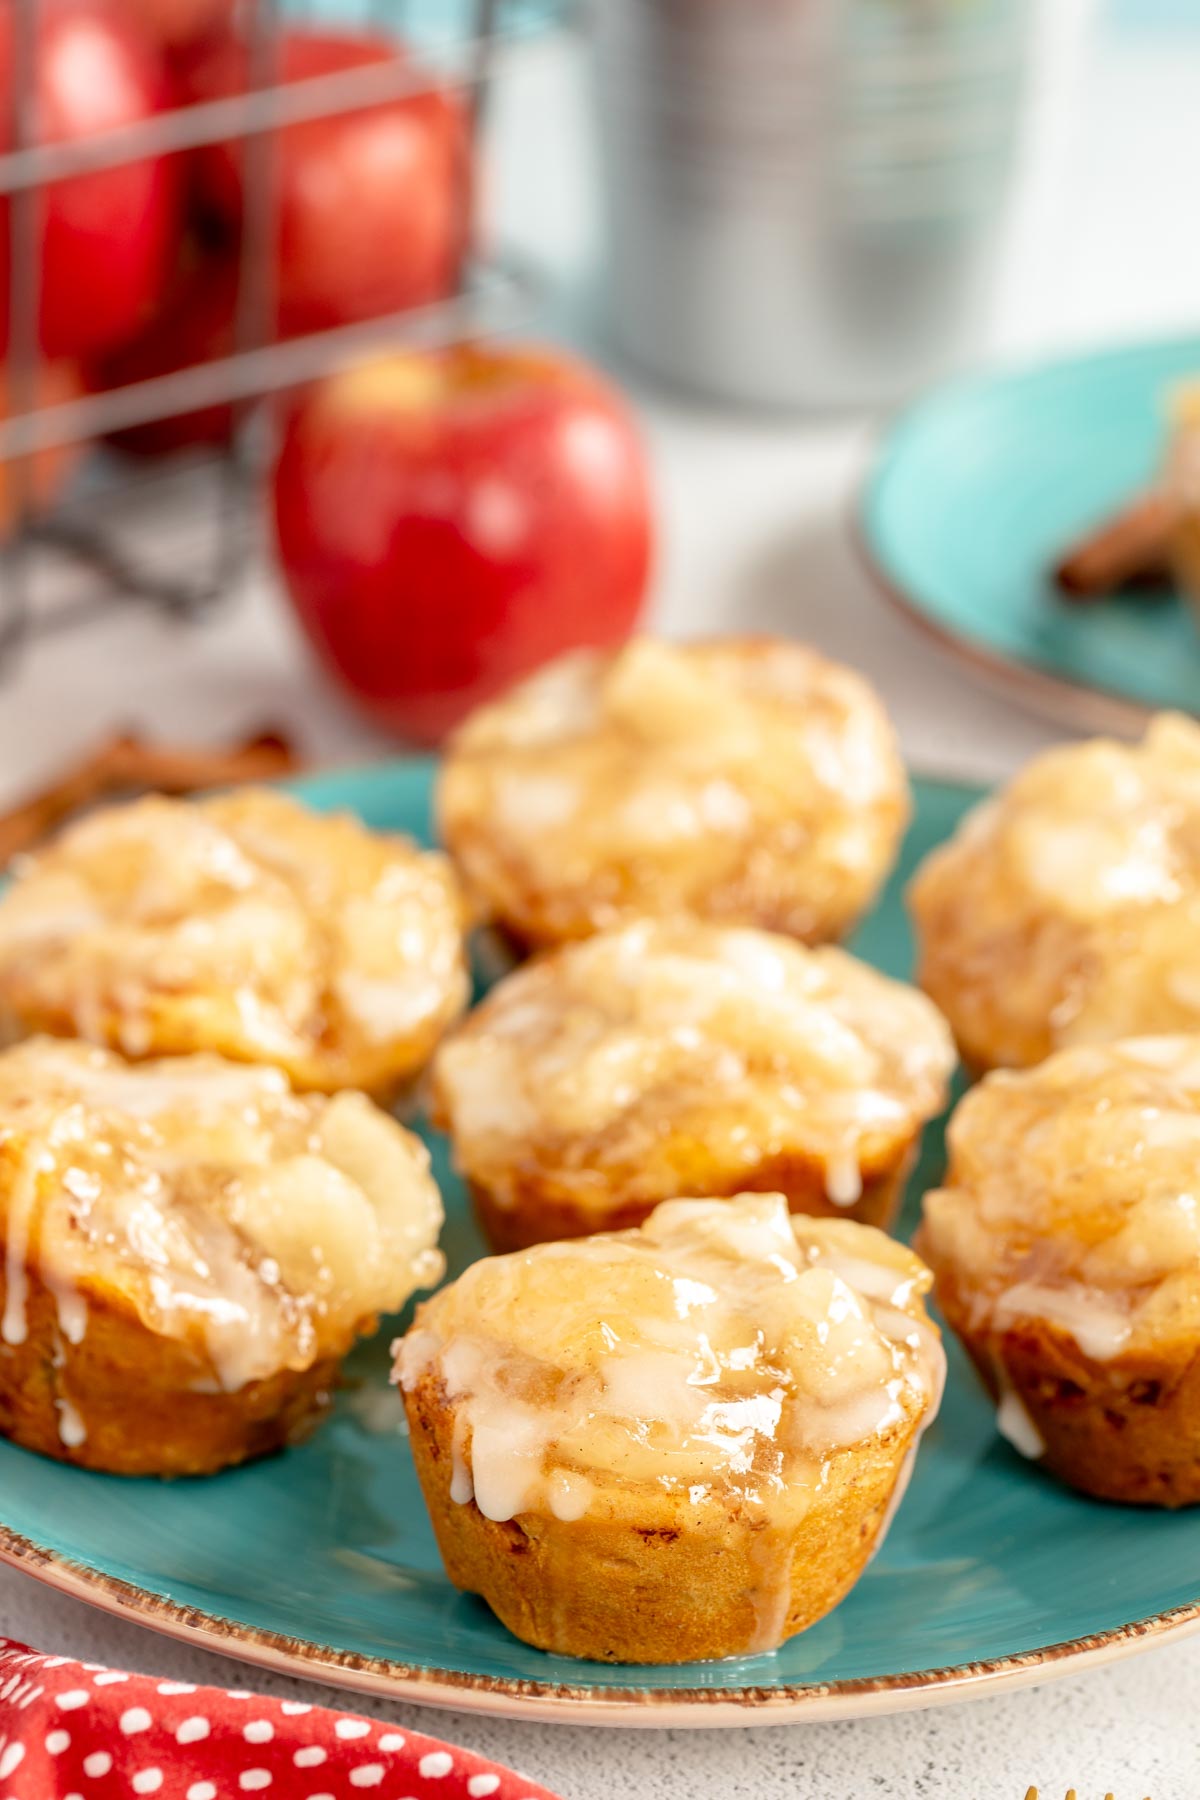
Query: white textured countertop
[[755, 537]]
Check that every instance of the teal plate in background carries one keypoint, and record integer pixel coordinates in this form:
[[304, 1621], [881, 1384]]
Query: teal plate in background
[[321, 1560], [978, 489]]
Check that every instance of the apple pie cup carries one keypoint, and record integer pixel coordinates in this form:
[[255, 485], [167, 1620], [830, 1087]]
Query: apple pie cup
[[675, 1443], [745, 781], [1066, 908], [672, 1057], [187, 1250], [1066, 1255], [245, 925]]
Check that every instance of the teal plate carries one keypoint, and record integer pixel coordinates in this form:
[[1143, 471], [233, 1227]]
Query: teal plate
[[321, 1560], [978, 489]]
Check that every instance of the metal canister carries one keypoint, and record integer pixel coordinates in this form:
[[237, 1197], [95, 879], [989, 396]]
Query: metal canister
[[804, 197]]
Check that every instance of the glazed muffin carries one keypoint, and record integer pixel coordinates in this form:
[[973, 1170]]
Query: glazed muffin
[[673, 1443], [1066, 909], [188, 1249], [674, 1057], [746, 780], [245, 925], [1066, 1249]]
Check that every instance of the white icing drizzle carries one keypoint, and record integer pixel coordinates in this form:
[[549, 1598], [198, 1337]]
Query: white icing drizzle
[[722, 1348], [71, 1429], [1067, 908], [297, 937], [23, 1204], [72, 1308], [843, 1177], [771, 1596], [593, 1063], [259, 1226], [1072, 1196], [569, 1495], [1098, 1322], [649, 780], [376, 1410], [1014, 1423]]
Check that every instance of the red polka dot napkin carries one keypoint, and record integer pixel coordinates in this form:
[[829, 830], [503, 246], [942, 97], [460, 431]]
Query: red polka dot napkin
[[75, 1731]]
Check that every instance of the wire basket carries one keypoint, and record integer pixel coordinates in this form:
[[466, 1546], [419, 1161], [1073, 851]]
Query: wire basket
[[95, 547]]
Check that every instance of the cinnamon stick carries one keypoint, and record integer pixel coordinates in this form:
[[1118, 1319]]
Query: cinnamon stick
[[128, 764], [1133, 546]]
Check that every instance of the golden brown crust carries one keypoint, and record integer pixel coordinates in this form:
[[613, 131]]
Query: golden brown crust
[[651, 1577], [540, 1210], [148, 1404], [1125, 1429]]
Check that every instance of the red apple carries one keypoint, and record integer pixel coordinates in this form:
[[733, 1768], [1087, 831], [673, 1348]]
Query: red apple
[[445, 523], [176, 25], [194, 325], [371, 205], [105, 237]]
